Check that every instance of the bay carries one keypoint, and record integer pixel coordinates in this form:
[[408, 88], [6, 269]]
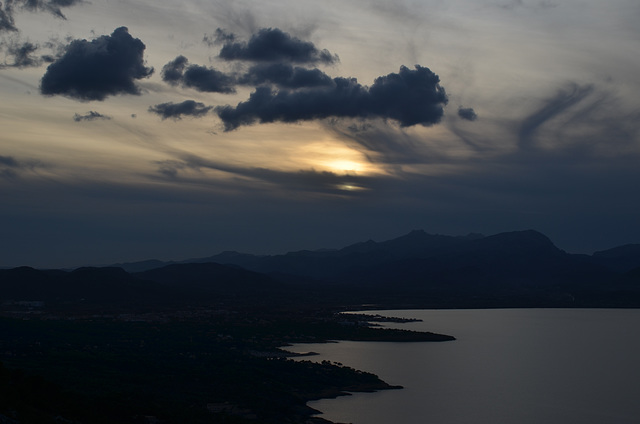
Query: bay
[[525, 366]]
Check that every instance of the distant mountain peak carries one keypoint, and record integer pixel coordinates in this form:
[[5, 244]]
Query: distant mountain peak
[[518, 241]]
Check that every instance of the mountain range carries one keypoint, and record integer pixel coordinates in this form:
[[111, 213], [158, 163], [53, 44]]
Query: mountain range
[[512, 269]]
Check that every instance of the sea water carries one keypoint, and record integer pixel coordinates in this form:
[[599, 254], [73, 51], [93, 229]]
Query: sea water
[[507, 366]]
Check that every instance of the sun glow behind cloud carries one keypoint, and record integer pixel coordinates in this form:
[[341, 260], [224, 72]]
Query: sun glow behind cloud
[[346, 166], [333, 156]]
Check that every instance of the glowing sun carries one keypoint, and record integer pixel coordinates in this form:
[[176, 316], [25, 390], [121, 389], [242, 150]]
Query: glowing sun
[[344, 166]]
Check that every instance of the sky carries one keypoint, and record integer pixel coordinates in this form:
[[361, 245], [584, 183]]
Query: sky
[[159, 129]]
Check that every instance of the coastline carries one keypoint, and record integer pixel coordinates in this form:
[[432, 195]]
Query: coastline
[[367, 331]]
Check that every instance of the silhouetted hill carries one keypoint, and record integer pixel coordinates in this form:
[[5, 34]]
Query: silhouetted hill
[[87, 284], [519, 268], [142, 265], [114, 287], [419, 254], [622, 258]]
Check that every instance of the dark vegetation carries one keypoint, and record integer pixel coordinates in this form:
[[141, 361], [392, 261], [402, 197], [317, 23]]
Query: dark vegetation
[[199, 341]]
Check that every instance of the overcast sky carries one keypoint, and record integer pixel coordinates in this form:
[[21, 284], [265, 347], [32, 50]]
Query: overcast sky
[[158, 129]]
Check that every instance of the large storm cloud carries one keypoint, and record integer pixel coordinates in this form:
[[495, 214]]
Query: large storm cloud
[[410, 97], [93, 70], [273, 44]]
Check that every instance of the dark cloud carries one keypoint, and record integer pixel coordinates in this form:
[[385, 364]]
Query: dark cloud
[[467, 113], [93, 70], [273, 44], [177, 110], [90, 116], [285, 75], [207, 79], [173, 71], [553, 107], [410, 97], [201, 78]]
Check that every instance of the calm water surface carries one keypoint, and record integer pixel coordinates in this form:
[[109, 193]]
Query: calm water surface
[[508, 366]]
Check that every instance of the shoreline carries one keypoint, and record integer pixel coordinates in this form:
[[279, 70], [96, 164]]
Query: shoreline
[[372, 333]]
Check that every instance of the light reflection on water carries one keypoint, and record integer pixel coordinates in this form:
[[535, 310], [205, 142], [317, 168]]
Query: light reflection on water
[[524, 366]]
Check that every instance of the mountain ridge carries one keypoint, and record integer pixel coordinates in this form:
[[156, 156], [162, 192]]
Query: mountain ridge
[[415, 243], [518, 268]]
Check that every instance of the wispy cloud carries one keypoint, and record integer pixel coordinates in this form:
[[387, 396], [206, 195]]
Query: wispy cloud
[[11, 168], [8, 9], [564, 100], [582, 120]]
